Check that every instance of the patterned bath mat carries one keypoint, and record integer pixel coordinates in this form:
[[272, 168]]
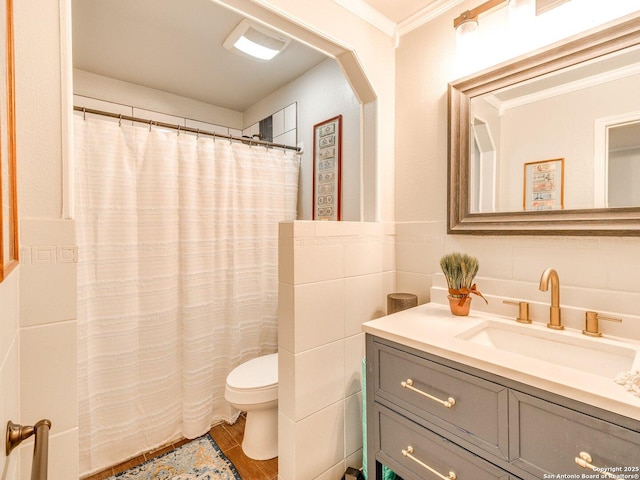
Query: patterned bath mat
[[200, 459]]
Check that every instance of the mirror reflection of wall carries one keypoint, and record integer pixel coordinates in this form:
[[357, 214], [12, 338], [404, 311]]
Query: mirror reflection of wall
[[624, 165], [553, 116]]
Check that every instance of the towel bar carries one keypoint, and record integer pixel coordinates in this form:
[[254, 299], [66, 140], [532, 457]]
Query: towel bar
[[17, 433]]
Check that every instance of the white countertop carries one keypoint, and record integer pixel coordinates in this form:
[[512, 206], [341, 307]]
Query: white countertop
[[433, 329]]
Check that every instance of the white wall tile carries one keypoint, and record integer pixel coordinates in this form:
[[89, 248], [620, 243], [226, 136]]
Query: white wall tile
[[335, 472], [48, 359], [362, 258], [319, 314], [10, 403], [278, 123], [319, 379], [287, 384], [320, 442], [9, 308], [290, 117], [287, 138], [285, 257], [286, 317], [208, 127], [315, 263], [287, 448], [353, 423], [416, 283], [364, 300], [354, 352], [354, 460], [48, 292]]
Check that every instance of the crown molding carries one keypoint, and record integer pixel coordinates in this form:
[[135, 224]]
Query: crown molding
[[428, 13], [370, 15]]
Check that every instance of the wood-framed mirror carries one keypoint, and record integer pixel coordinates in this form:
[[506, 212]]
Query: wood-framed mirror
[[498, 120], [8, 189]]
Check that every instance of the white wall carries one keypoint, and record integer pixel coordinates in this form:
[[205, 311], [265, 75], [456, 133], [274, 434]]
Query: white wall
[[595, 272], [321, 93]]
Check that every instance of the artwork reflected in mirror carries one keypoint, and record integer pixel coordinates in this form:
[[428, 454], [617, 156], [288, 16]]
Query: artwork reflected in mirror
[[9, 210]]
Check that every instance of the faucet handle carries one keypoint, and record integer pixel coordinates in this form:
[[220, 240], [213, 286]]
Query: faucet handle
[[591, 323], [523, 314]]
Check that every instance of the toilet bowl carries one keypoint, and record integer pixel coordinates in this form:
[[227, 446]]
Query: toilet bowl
[[252, 387]]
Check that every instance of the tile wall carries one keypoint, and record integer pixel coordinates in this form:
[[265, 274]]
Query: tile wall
[[9, 368], [48, 349], [284, 126], [333, 277], [596, 273]]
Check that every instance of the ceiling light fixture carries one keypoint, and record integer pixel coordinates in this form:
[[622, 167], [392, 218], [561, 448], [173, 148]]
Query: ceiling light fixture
[[255, 41]]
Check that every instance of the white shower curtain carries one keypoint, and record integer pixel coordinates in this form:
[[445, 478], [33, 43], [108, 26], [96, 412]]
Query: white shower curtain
[[177, 279]]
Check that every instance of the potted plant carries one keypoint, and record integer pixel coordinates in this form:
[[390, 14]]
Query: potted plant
[[460, 269]]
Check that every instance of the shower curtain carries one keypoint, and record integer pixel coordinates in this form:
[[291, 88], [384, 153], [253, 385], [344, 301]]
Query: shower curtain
[[177, 279]]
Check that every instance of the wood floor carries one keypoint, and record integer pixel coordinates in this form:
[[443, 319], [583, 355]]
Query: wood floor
[[228, 438]]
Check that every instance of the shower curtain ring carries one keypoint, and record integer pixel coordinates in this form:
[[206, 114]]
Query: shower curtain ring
[[120, 120], [84, 113], [197, 134], [178, 130], [150, 123]]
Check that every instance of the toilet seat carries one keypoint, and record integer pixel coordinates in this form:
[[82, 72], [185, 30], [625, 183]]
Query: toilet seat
[[255, 381]]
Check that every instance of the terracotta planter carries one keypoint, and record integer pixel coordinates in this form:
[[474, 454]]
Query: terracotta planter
[[459, 306]]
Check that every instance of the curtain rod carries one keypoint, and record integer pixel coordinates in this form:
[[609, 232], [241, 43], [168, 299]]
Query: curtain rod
[[180, 128]]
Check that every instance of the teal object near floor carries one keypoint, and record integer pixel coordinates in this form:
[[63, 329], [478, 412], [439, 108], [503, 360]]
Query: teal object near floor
[[386, 473]]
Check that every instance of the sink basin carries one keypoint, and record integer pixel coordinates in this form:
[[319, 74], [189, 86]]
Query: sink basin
[[565, 349]]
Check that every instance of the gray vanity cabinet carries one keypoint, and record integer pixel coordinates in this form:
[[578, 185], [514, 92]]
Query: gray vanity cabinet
[[546, 437], [427, 414]]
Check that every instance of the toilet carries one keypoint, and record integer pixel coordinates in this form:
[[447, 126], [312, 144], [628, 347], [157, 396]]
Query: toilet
[[252, 387]]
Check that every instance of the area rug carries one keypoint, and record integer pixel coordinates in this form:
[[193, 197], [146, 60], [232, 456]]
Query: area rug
[[200, 459]]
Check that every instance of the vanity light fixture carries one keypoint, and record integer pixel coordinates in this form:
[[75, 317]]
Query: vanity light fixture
[[255, 41]]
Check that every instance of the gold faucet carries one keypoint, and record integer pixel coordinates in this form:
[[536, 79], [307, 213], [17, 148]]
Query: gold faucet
[[550, 275]]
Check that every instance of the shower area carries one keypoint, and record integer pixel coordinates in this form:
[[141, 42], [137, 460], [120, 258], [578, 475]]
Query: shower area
[[177, 229], [177, 277]]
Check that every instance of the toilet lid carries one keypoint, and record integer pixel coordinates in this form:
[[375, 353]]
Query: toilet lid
[[258, 372]]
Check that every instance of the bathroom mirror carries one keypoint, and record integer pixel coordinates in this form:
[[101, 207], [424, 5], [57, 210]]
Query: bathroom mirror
[[8, 197], [548, 143]]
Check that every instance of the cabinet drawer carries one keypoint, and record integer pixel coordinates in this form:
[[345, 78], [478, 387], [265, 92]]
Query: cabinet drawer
[[479, 414], [429, 448], [546, 438]]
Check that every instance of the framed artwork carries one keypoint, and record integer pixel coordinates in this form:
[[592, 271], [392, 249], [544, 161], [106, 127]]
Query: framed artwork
[[327, 157], [8, 193], [544, 185]]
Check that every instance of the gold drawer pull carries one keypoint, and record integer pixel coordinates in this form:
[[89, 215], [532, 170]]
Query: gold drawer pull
[[408, 453], [449, 402], [584, 460]]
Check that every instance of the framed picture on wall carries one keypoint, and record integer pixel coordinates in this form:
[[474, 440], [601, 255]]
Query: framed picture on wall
[[327, 158], [544, 185]]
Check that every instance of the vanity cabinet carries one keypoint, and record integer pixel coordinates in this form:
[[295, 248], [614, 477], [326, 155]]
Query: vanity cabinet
[[427, 414]]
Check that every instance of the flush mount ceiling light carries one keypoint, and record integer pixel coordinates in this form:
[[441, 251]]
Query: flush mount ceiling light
[[255, 41]]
